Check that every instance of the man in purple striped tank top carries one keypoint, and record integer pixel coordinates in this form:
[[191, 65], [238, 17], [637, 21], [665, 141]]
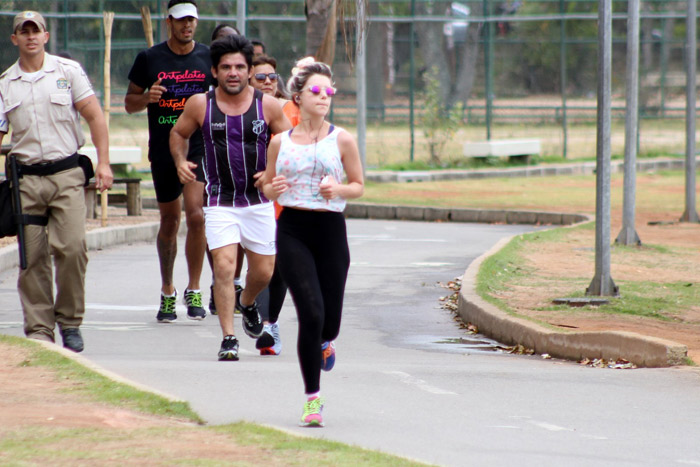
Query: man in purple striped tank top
[[236, 122]]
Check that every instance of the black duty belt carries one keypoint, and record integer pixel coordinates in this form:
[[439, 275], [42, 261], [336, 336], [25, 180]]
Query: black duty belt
[[50, 168]]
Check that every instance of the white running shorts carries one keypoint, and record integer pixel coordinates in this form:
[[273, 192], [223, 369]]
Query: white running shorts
[[254, 227]]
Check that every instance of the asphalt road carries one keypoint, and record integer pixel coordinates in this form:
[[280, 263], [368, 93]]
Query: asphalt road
[[407, 380]]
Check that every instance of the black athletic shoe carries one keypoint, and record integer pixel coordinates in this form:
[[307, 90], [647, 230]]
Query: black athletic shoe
[[72, 339], [229, 349], [166, 312], [252, 323], [212, 305], [193, 301]]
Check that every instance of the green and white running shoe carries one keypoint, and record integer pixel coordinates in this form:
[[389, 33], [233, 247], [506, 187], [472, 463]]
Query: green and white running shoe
[[166, 312], [193, 300]]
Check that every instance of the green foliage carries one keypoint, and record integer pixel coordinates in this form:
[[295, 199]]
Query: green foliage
[[663, 301], [439, 123], [99, 388], [307, 451]]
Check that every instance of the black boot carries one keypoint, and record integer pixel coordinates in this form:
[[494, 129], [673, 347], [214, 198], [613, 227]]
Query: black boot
[[72, 339]]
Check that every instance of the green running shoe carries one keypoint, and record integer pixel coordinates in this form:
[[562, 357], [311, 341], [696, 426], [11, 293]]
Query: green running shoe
[[166, 312], [193, 300], [313, 413]]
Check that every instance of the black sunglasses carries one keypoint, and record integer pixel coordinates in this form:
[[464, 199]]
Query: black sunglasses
[[262, 76]]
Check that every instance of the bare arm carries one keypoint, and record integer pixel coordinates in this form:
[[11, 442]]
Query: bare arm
[[189, 121], [137, 98], [350, 155], [91, 111], [274, 185]]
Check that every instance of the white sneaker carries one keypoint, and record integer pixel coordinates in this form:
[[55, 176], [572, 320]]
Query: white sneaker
[[269, 343]]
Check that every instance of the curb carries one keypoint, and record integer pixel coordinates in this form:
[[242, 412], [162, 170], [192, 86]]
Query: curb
[[95, 239], [643, 351], [432, 214], [583, 168]]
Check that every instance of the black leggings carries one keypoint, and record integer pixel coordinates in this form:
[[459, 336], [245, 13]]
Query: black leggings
[[313, 258], [278, 290]]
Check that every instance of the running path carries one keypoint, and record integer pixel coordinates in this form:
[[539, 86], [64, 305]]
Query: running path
[[401, 384]]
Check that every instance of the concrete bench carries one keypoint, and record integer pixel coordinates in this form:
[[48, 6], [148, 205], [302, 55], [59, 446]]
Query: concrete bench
[[514, 149], [132, 198], [118, 155]]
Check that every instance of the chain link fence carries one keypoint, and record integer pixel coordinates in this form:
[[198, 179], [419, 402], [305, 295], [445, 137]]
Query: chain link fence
[[519, 68]]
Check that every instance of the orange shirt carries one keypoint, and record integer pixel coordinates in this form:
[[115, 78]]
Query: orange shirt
[[291, 110]]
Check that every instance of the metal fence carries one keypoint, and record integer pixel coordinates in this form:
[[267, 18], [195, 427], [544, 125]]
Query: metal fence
[[520, 68]]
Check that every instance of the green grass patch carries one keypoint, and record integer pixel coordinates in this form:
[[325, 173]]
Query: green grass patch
[[296, 450], [645, 299], [500, 270], [96, 387], [144, 446], [656, 192], [508, 267], [38, 445], [665, 301]]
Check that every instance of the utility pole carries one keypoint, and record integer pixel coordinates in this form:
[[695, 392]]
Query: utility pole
[[602, 284], [628, 235], [691, 48], [361, 76]]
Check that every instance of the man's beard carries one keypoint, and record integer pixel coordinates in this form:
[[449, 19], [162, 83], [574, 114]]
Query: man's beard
[[232, 90]]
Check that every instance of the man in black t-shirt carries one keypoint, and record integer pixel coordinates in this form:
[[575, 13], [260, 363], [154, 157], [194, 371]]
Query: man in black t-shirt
[[161, 80]]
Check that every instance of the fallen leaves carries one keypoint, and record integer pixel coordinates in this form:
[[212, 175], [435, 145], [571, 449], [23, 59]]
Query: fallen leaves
[[518, 350], [619, 364], [450, 302]]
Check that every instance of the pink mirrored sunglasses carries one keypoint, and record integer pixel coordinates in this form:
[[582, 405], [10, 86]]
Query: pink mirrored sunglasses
[[316, 90]]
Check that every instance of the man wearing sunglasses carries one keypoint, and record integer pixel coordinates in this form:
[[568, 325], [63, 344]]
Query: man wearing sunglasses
[[236, 121]]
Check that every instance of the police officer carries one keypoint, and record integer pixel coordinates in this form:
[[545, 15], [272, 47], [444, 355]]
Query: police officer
[[42, 97]]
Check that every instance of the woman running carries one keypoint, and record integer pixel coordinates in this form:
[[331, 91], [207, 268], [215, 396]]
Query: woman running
[[305, 175]]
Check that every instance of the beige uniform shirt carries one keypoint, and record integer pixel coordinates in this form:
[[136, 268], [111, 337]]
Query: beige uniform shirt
[[39, 109]]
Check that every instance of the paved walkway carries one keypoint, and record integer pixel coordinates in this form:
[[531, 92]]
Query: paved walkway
[[407, 380]]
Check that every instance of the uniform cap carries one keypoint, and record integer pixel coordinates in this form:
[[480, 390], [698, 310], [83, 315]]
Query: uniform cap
[[28, 16]]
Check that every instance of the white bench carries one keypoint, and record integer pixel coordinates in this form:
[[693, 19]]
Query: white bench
[[521, 149], [117, 154]]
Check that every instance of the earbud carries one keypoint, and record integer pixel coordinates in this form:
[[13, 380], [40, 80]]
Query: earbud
[[296, 99]]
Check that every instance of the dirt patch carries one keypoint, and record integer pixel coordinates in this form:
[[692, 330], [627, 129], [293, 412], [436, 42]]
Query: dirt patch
[[560, 268], [35, 402]]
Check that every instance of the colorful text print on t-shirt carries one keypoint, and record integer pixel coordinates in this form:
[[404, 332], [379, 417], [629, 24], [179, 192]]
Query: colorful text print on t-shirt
[[182, 76], [173, 104], [180, 85]]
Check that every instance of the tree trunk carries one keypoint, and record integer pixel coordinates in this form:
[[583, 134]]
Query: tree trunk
[[430, 38], [467, 66], [376, 61], [321, 29]]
